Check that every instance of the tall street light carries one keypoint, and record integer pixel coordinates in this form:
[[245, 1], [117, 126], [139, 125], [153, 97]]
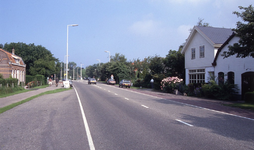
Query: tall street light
[[72, 25], [81, 71], [99, 61], [108, 54]]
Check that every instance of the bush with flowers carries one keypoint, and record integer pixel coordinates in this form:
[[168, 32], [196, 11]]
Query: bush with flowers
[[169, 84]]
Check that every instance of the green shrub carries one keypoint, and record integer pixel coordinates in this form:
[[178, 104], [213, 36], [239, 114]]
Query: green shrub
[[29, 78], [157, 81], [190, 89], [224, 91], [3, 82], [249, 97], [182, 88]]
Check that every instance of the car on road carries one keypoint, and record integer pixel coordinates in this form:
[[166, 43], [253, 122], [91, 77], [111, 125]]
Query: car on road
[[125, 83], [111, 81], [71, 83], [91, 81]]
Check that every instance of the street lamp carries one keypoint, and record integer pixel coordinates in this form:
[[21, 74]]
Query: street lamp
[[99, 61], [72, 25], [81, 78], [108, 54]]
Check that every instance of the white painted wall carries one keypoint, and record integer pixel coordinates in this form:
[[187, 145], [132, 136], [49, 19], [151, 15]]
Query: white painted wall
[[196, 42], [236, 65], [199, 63]]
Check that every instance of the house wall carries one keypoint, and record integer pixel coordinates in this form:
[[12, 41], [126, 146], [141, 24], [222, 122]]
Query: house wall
[[4, 65], [233, 64], [8, 69], [196, 42], [199, 63]]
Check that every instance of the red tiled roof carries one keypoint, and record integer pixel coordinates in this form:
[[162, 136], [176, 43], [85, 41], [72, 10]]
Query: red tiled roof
[[12, 57]]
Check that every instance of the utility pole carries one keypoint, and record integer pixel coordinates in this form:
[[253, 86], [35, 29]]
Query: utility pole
[[81, 72], [61, 72]]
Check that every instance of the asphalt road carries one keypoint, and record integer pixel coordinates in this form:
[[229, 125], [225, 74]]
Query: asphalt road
[[118, 119]]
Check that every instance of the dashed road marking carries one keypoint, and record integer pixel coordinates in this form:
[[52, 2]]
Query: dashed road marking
[[144, 106], [184, 123]]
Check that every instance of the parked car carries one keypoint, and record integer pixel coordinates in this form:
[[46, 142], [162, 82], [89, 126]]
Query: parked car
[[111, 81], [91, 81], [126, 83], [71, 83]]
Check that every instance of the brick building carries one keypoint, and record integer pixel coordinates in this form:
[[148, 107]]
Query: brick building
[[11, 64]]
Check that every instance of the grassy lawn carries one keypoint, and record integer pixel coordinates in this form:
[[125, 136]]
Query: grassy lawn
[[242, 105], [29, 99], [21, 91]]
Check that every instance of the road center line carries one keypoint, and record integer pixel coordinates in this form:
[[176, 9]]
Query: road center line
[[116, 94], [88, 134], [144, 106], [126, 98], [184, 123]]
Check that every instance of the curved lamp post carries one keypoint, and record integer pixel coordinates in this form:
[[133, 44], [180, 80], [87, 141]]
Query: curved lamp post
[[72, 25], [108, 55], [99, 61]]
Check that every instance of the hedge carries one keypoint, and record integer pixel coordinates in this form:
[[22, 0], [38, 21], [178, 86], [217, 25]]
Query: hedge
[[249, 97], [9, 81]]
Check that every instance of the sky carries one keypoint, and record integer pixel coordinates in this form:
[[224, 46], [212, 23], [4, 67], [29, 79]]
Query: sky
[[134, 28]]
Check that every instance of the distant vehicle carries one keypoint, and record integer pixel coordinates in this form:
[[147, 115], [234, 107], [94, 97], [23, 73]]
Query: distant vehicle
[[126, 83], [111, 81], [71, 83], [91, 81]]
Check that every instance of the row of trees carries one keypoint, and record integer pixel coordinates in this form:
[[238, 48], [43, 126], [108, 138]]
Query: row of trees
[[140, 71], [40, 60]]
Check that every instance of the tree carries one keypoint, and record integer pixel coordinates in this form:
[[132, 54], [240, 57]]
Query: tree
[[38, 59], [156, 65], [201, 23], [245, 32], [174, 64]]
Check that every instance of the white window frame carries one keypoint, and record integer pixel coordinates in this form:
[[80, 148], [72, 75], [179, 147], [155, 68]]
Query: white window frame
[[197, 76]]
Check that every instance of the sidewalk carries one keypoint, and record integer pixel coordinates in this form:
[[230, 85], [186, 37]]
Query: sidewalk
[[216, 105], [5, 101]]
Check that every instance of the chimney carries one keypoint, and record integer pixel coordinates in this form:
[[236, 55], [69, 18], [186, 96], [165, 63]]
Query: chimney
[[13, 51]]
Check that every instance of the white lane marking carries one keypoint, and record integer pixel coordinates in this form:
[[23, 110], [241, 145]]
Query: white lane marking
[[144, 106], [184, 123], [88, 134], [108, 90], [116, 94], [126, 98], [221, 112]]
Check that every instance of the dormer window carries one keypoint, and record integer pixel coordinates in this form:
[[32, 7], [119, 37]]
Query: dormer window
[[17, 61]]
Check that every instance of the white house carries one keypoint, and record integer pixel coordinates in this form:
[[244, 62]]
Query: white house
[[203, 59], [200, 50], [238, 71]]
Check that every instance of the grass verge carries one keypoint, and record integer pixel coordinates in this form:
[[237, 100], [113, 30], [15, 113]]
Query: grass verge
[[29, 99], [242, 105], [21, 90]]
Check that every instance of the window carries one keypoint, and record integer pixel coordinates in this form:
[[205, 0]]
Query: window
[[193, 53], [201, 51], [231, 77], [197, 76], [221, 77]]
